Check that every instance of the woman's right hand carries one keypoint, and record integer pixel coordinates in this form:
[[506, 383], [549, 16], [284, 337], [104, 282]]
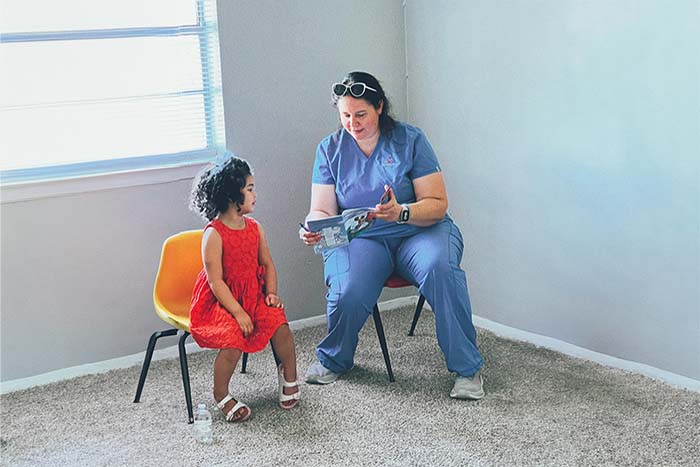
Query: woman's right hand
[[244, 322], [309, 238], [323, 204]]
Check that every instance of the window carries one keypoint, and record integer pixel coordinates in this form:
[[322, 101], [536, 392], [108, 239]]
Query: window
[[91, 87]]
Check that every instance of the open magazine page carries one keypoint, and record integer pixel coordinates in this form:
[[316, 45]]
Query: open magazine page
[[337, 231], [357, 220]]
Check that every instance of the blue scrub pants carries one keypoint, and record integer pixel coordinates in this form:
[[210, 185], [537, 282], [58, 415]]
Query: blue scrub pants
[[430, 258]]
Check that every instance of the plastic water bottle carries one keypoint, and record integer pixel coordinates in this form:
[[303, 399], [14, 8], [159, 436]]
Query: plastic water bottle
[[202, 425]]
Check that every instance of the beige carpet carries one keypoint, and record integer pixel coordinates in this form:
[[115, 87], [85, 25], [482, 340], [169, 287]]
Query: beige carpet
[[541, 409]]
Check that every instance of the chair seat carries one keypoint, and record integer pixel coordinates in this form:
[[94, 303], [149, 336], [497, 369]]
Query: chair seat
[[173, 318], [395, 282]]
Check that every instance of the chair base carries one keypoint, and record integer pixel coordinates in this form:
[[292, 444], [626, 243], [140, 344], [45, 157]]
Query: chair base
[[382, 342], [244, 364], [184, 370], [416, 314]]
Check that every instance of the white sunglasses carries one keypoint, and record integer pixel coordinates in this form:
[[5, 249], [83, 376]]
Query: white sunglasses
[[356, 89]]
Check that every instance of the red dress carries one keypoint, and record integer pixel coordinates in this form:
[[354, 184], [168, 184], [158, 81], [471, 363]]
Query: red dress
[[210, 324]]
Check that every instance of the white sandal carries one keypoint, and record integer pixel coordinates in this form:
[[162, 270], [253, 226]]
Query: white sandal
[[283, 383], [239, 405]]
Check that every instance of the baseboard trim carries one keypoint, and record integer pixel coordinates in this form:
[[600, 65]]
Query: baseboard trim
[[397, 303], [580, 352], [123, 362]]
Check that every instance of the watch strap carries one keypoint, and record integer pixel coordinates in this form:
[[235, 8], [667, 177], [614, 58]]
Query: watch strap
[[404, 215]]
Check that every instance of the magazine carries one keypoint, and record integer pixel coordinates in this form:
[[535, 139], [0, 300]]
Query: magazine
[[339, 230]]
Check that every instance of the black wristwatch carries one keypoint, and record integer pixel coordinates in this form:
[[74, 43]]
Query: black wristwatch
[[404, 215]]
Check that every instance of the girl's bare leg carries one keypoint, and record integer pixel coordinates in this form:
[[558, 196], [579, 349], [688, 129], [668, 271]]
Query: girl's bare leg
[[224, 366], [283, 342]]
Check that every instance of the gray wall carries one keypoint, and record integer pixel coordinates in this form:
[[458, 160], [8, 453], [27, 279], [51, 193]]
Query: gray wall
[[78, 270], [569, 133], [279, 59], [77, 274]]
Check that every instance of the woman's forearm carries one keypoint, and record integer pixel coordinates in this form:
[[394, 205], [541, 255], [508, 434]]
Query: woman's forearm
[[431, 204], [427, 211], [317, 214]]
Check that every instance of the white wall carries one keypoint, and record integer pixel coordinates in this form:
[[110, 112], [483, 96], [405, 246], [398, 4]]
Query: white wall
[[569, 134], [78, 270]]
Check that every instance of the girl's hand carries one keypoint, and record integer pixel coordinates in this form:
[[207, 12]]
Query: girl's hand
[[244, 322], [390, 210], [273, 300], [309, 238]]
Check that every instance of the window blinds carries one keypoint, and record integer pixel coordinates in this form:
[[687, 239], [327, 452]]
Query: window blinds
[[90, 87]]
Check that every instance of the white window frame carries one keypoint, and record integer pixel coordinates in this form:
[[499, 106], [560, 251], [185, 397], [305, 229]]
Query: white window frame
[[42, 182]]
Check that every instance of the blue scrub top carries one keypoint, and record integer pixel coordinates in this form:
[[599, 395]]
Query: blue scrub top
[[401, 155]]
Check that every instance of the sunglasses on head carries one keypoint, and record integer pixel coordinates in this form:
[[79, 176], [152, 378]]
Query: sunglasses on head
[[356, 89]]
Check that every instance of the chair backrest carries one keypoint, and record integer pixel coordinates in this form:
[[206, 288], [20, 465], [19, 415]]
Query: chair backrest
[[180, 264]]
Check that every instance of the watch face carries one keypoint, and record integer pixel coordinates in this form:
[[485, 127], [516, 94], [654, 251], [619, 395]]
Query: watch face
[[403, 217]]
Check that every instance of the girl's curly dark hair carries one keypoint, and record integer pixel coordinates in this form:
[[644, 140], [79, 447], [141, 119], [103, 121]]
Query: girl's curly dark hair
[[219, 185]]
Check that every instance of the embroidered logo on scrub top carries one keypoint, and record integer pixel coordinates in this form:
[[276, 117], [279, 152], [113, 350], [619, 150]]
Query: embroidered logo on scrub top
[[389, 160]]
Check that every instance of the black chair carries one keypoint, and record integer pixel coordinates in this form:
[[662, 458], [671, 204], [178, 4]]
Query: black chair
[[395, 282], [382, 343]]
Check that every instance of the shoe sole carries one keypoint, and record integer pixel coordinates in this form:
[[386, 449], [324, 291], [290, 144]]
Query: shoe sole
[[328, 379], [470, 396], [289, 407]]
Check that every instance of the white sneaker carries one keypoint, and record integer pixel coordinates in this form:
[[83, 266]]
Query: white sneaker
[[471, 387], [319, 374]]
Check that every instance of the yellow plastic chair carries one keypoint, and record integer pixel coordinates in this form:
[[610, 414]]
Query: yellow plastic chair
[[180, 263]]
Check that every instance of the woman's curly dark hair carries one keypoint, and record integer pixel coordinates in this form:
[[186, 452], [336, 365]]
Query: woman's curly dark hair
[[219, 185]]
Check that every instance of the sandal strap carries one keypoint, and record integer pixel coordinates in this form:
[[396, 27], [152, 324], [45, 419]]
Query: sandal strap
[[223, 401], [239, 405], [283, 381], [290, 397], [288, 384]]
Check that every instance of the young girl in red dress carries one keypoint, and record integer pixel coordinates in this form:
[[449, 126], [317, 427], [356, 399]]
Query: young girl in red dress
[[235, 307]]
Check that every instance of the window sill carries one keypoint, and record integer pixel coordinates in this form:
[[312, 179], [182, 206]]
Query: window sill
[[38, 189]]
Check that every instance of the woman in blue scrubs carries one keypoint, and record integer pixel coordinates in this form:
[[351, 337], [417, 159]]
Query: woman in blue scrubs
[[413, 235]]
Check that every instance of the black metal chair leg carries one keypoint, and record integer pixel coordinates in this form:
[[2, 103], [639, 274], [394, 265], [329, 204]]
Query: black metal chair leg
[[147, 360], [382, 341], [186, 376], [416, 315], [244, 365]]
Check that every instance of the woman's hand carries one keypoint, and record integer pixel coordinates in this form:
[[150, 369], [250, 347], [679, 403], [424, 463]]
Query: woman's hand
[[309, 238], [273, 300], [244, 322], [323, 204], [390, 210]]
